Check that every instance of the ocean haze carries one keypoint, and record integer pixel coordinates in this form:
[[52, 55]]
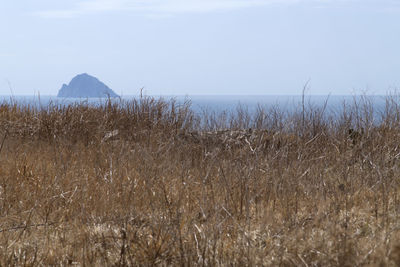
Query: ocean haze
[[229, 104], [222, 47]]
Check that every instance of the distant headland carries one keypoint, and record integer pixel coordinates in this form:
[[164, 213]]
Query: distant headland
[[85, 86]]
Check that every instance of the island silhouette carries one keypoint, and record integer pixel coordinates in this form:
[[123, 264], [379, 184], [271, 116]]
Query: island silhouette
[[85, 86]]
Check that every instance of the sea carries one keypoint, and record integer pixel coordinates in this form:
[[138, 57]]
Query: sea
[[332, 104]]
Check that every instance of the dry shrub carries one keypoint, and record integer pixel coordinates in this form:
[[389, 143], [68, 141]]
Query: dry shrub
[[148, 182]]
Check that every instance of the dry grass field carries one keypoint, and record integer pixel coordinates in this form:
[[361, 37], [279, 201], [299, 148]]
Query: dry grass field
[[148, 182]]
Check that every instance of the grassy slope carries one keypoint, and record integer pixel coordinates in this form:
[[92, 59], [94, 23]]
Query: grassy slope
[[168, 188]]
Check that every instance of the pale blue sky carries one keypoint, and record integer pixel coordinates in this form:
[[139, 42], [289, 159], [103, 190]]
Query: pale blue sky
[[202, 46]]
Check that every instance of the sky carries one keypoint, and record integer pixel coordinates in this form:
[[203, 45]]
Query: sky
[[202, 47]]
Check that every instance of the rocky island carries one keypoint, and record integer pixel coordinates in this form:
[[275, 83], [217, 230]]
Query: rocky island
[[85, 86]]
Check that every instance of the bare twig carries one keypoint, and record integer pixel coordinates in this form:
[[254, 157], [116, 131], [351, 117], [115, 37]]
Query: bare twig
[[24, 227], [4, 139]]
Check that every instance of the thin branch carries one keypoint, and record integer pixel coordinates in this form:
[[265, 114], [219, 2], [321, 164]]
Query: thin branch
[[4, 139], [25, 227]]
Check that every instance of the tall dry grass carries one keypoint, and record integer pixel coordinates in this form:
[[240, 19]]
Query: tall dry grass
[[148, 182]]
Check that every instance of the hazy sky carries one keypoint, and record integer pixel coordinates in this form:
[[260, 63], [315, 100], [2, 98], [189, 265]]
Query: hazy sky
[[202, 46]]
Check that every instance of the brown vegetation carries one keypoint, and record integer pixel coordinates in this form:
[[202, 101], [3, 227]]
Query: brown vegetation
[[148, 182]]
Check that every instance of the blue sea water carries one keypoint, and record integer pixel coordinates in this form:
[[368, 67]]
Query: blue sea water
[[227, 103]]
